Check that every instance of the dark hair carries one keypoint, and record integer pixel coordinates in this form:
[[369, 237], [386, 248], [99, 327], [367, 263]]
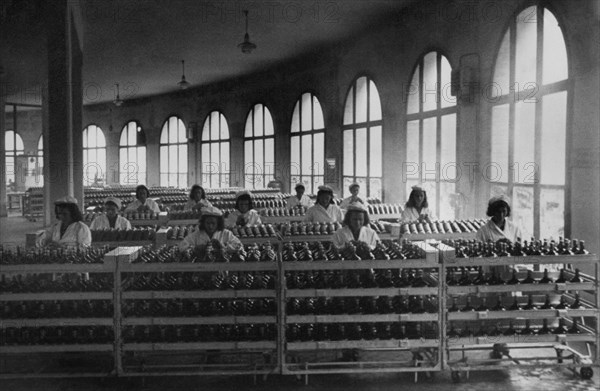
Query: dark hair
[[243, 197], [194, 188], [494, 206], [73, 210], [299, 185], [324, 192], [112, 203], [352, 186], [220, 222], [412, 203], [347, 217], [142, 187]]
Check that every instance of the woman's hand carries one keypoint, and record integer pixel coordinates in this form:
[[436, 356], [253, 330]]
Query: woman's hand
[[240, 220]]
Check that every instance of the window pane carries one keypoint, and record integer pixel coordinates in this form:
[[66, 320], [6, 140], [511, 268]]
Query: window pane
[[224, 128], [269, 167], [349, 108], [447, 99], [306, 155], [555, 66], [214, 125], [296, 118], [501, 70], [412, 164], [295, 156], [183, 159], [248, 132], [306, 112], [85, 138], [552, 210], [526, 48], [319, 123], [431, 191], [249, 157], [206, 129], [554, 138], [448, 201], [269, 131], [164, 159], [259, 159], [498, 190], [214, 157], [430, 81], [224, 163], [524, 142], [522, 209], [448, 148], [500, 142], [101, 140], [319, 153], [375, 188], [173, 158], [132, 134], [182, 180], [361, 100], [258, 120], [361, 152], [141, 164], [205, 154], [375, 153], [374, 103], [348, 152], [429, 149], [413, 93], [347, 182]]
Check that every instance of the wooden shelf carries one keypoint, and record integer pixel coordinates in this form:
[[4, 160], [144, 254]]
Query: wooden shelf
[[64, 296], [362, 344], [345, 292], [227, 294], [370, 318], [195, 320], [190, 346]]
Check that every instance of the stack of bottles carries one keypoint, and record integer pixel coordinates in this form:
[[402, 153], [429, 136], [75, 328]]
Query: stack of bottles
[[254, 231], [529, 303], [178, 232], [203, 333], [517, 328], [122, 235], [283, 211], [19, 256], [246, 280], [474, 249], [442, 227], [56, 335], [184, 214], [131, 216], [463, 276], [211, 253], [376, 209], [305, 332], [353, 251], [48, 283], [57, 309]]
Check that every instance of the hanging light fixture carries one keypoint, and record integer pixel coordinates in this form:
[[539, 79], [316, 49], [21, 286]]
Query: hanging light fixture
[[247, 46], [183, 84], [117, 102]]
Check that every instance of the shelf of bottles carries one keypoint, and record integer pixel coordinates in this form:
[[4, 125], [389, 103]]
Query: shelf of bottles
[[55, 301], [358, 298], [202, 300], [317, 232], [494, 294], [441, 230]]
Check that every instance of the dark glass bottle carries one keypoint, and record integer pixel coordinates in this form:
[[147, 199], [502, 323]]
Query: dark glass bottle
[[547, 304], [527, 330], [561, 327], [480, 279], [581, 249], [468, 307], [466, 331], [482, 306], [454, 307], [515, 305], [544, 329], [499, 306], [514, 279], [562, 304], [510, 330], [451, 277], [530, 305], [576, 304], [452, 333], [464, 278], [546, 279], [576, 277], [529, 279], [574, 329], [481, 332], [561, 278]]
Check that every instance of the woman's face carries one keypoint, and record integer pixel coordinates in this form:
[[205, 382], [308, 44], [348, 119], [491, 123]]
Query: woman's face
[[142, 195], [325, 199], [197, 194], [64, 215], [356, 221], [210, 224], [500, 214], [111, 210], [244, 206], [299, 192], [354, 190], [419, 198]]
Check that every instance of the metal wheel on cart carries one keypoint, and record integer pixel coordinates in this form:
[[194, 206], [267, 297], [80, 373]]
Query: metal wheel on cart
[[586, 373]]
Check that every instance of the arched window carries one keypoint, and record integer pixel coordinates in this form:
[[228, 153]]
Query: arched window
[[94, 156], [215, 151], [362, 138], [132, 155], [308, 143], [431, 135], [14, 147], [173, 153], [259, 148], [529, 122]]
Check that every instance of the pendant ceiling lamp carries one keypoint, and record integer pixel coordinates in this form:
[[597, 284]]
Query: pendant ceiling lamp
[[246, 46], [183, 84], [118, 101]]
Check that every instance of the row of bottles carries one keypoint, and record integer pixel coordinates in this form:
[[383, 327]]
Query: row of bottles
[[254, 231], [199, 308], [296, 228], [362, 305], [353, 251], [47, 283], [377, 209], [360, 331], [204, 333], [297, 210], [178, 232], [21, 256], [442, 227], [246, 280], [355, 279], [486, 330], [122, 235], [57, 309], [462, 277], [60, 335], [212, 252], [518, 304], [465, 248]]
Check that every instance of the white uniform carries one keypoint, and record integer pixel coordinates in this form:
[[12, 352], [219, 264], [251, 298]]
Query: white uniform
[[344, 235], [150, 203], [305, 201], [490, 231], [350, 200], [101, 222], [200, 238], [411, 214], [251, 217], [77, 235], [203, 203], [318, 214]]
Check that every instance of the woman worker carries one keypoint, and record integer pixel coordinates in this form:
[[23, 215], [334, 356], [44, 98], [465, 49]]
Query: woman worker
[[355, 227], [111, 218], [142, 203], [300, 198], [211, 228], [324, 210], [69, 231], [197, 199], [354, 190], [498, 228], [417, 207], [244, 214]]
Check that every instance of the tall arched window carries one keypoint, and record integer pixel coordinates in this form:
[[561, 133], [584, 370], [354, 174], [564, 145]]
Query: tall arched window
[[362, 138], [14, 147], [94, 156], [259, 148], [215, 151], [431, 135], [173, 153], [308, 143], [529, 122], [132, 155]]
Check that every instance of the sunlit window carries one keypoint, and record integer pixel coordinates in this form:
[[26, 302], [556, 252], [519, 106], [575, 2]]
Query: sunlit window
[[259, 148], [132, 155], [215, 151], [173, 154], [14, 147], [94, 156]]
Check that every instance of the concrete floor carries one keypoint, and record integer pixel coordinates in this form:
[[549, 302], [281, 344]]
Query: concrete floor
[[12, 232]]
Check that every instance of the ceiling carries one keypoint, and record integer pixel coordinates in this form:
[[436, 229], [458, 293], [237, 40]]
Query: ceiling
[[140, 43]]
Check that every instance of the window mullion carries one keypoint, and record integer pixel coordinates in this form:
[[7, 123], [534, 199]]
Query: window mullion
[[511, 107], [538, 124]]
